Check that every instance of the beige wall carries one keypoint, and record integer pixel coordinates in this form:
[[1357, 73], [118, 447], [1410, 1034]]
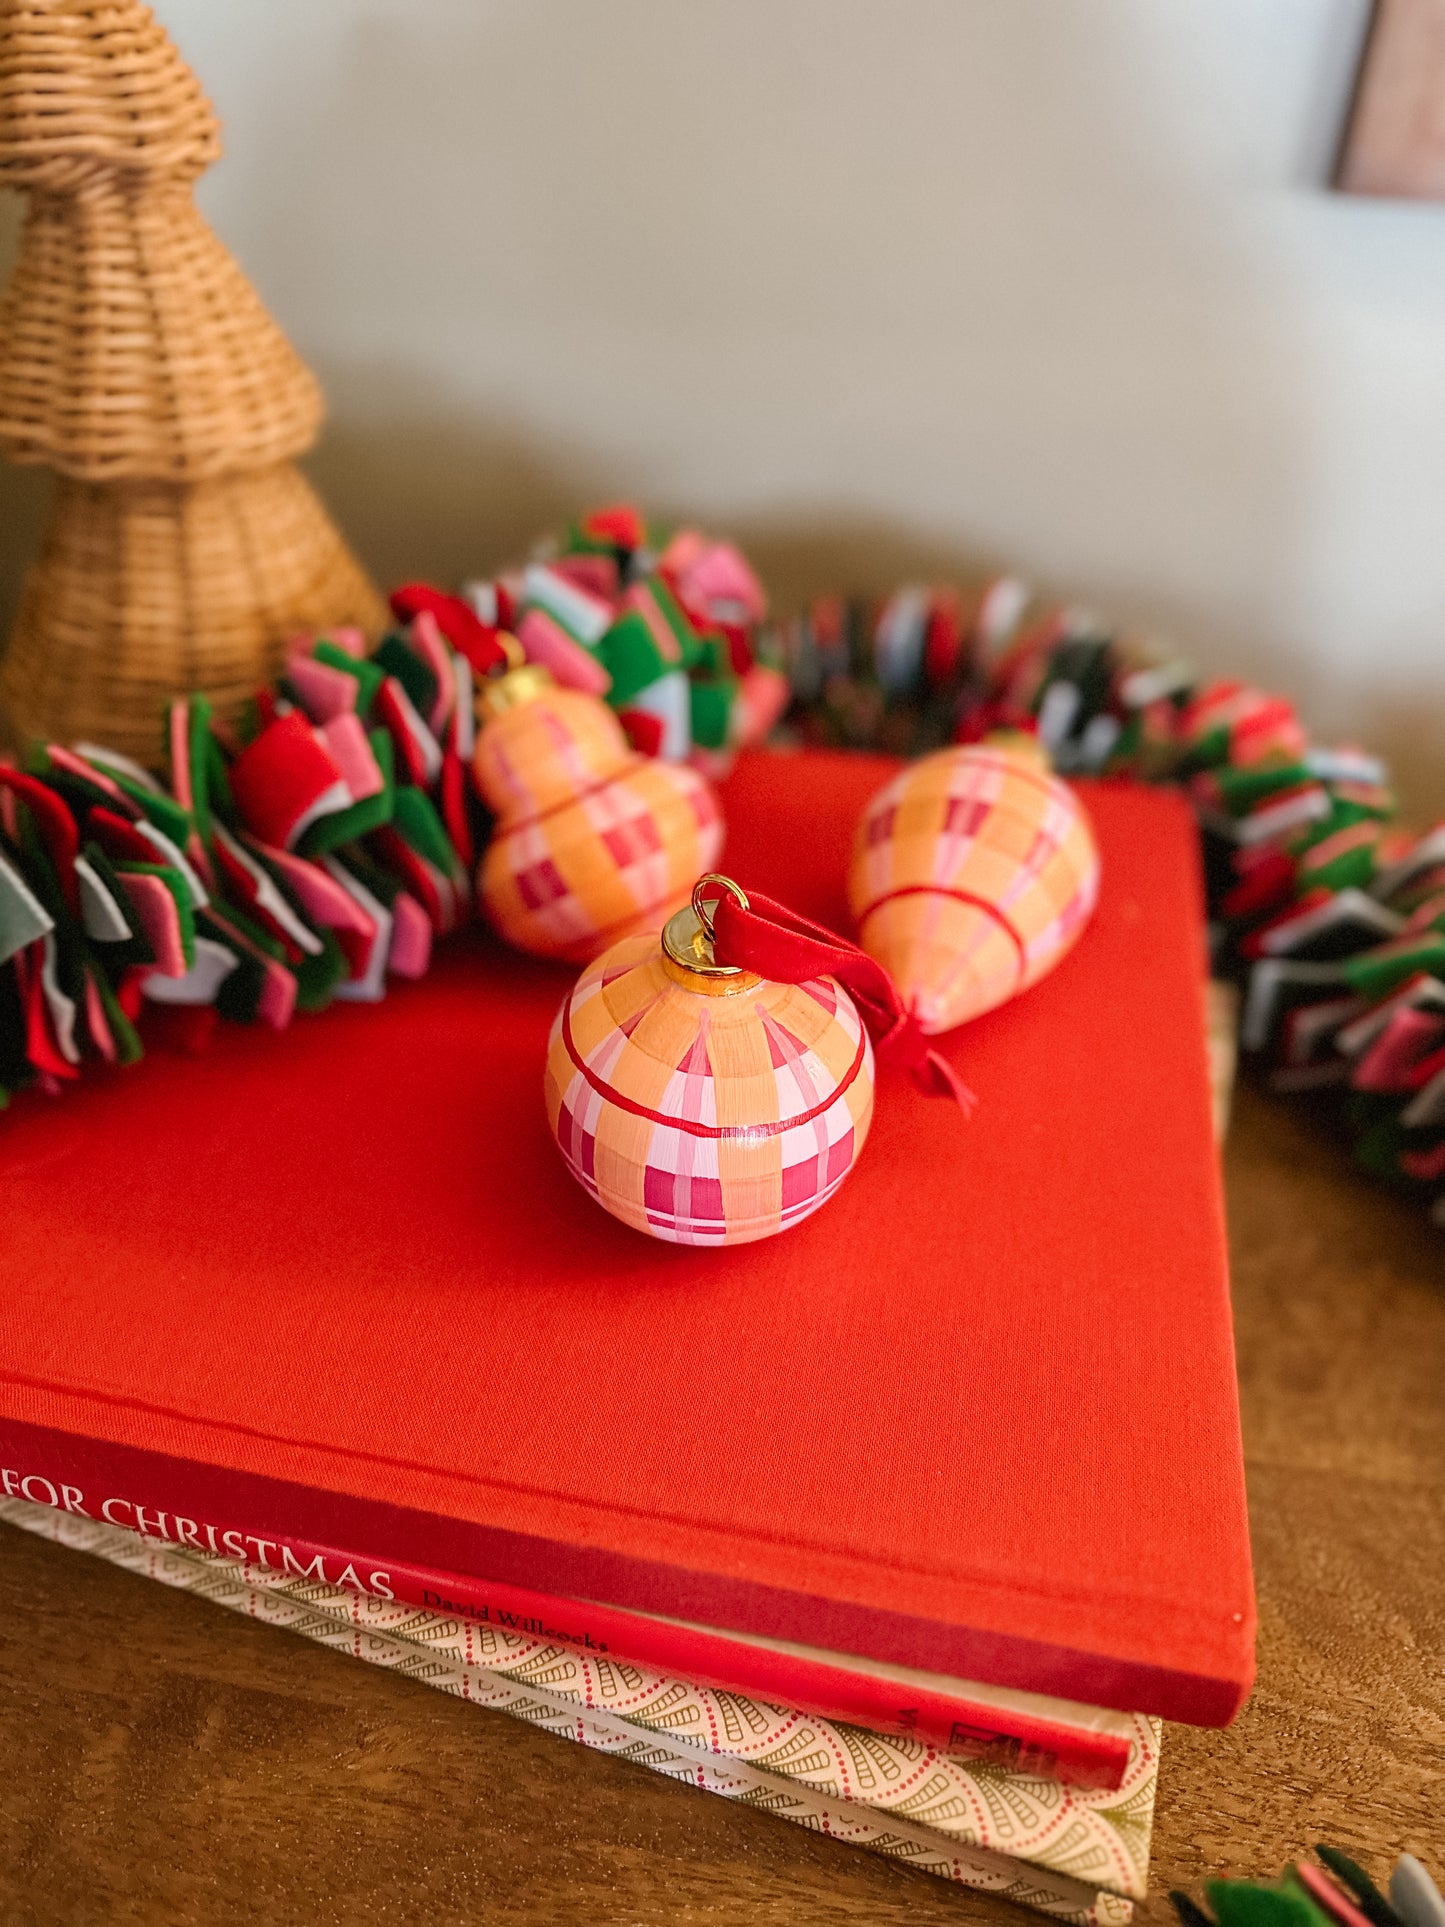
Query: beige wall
[[880, 285]]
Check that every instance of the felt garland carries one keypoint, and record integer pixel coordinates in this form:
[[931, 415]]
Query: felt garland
[[1309, 1896], [322, 849]]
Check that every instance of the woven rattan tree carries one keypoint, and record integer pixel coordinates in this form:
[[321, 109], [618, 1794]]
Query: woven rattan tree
[[137, 361]]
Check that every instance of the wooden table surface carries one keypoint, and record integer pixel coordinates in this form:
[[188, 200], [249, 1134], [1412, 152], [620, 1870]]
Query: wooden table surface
[[163, 1761]]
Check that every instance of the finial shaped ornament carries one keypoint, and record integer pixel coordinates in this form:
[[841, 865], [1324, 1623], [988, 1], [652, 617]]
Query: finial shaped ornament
[[592, 841]]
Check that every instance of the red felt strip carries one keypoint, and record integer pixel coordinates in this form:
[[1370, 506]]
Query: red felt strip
[[280, 778], [56, 827], [460, 624]]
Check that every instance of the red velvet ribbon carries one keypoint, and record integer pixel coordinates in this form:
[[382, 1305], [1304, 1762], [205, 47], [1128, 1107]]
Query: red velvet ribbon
[[772, 941]]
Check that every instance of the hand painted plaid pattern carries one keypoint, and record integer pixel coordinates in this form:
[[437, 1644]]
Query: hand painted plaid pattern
[[973, 872], [592, 840], [706, 1120]]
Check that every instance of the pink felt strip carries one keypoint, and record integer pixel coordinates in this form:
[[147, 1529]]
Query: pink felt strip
[[410, 952], [547, 642], [720, 574], [1388, 1063], [597, 574], [178, 724], [346, 743], [97, 1023], [424, 638], [160, 921], [67, 760], [764, 695], [1332, 1898], [319, 895], [323, 691]]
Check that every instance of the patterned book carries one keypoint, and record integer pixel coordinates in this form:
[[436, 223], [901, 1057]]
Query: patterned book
[[1076, 1855]]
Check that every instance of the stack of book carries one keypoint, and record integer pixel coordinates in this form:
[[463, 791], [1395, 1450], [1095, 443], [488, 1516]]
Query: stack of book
[[909, 1525]]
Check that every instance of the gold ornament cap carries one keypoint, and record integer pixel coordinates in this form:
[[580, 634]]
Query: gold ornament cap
[[520, 682], [687, 942]]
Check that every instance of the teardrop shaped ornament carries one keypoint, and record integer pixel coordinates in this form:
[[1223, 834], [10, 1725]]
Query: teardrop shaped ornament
[[974, 871]]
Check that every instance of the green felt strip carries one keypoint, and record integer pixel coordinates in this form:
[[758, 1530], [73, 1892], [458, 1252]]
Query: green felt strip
[[239, 993], [329, 832], [317, 977], [384, 885], [198, 745], [417, 678], [419, 826], [218, 784], [671, 610], [1239, 1903], [631, 657], [712, 657], [1351, 870], [258, 933], [1241, 789], [366, 673], [167, 815], [1374, 972], [712, 704]]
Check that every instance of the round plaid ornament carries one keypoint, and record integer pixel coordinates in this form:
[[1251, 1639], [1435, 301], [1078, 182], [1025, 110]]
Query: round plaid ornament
[[973, 872], [592, 841], [700, 1102]]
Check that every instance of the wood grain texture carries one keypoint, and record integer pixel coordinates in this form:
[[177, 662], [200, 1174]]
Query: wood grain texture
[[161, 1761]]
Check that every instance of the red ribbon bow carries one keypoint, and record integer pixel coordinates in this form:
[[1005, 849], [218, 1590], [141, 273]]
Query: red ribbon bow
[[767, 938]]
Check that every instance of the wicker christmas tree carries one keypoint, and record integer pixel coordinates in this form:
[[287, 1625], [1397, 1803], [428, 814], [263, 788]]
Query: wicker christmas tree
[[137, 361]]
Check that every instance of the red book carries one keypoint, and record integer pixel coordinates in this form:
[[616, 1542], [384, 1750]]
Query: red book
[[977, 1417]]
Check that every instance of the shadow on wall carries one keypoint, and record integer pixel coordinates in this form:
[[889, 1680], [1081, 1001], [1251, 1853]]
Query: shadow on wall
[[431, 494], [428, 493]]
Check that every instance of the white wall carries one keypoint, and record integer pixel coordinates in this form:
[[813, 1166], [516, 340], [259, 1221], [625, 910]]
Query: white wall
[[881, 283]]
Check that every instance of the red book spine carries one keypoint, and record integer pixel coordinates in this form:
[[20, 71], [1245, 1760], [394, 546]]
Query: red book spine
[[955, 1723]]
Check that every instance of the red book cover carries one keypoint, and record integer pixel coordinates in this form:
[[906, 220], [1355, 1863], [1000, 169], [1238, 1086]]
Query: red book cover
[[977, 1417]]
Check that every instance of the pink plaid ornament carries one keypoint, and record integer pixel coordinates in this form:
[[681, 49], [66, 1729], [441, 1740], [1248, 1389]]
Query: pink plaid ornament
[[592, 840], [699, 1102]]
